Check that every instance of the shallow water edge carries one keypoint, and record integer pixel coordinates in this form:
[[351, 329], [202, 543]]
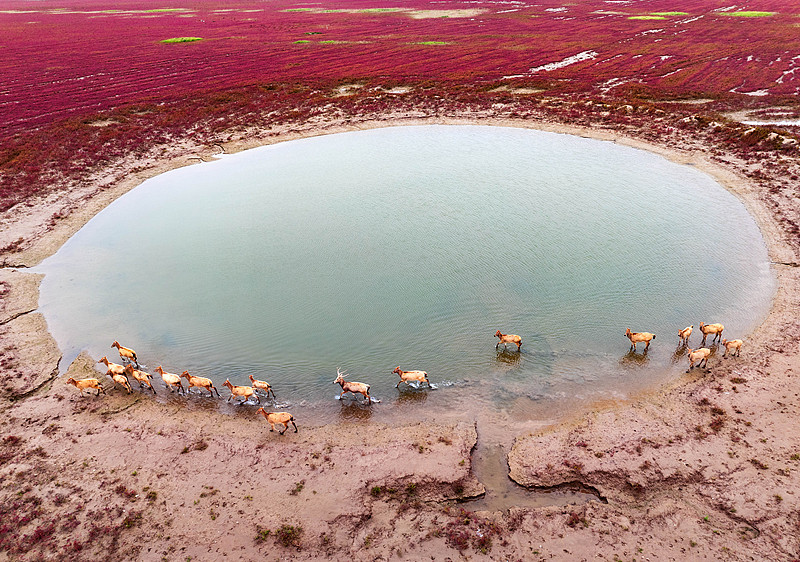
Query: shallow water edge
[[353, 409], [723, 176]]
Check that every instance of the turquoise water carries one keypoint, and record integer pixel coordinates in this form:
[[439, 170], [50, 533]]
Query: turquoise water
[[411, 246]]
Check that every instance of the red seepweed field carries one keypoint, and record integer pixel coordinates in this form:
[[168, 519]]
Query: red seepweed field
[[63, 58]]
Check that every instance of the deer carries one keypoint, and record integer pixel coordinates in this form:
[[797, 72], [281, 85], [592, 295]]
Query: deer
[[637, 337], [406, 376], [278, 417], [83, 384], [199, 382], [699, 355], [735, 345], [247, 392], [125, 353], [113, 368], [684, 335], [263, 386], [506, 339], [354, 387], [715, 329], [122, 380], [170, 379], [140, 376]]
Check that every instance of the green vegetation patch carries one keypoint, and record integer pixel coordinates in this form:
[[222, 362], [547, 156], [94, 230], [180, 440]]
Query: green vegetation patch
[[431, 43], [181, 39], [347, 10], [301, 41], [646, 18], [748, 14]]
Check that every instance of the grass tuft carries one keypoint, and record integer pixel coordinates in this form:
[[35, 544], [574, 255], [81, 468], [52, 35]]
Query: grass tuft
[[181, 39], [749, 14], [289, 535]]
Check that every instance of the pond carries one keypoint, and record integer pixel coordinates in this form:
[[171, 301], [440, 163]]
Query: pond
[[412, 246]]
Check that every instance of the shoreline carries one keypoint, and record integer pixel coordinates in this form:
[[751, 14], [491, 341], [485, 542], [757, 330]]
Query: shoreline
[[732, 183], [603, 448]]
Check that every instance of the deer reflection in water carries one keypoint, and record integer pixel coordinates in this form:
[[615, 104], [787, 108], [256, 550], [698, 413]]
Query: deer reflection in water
[[412, 395], [633, 359], [354, 411], [507, 357]]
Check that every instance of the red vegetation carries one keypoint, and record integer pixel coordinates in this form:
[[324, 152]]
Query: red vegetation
[[85, 56]]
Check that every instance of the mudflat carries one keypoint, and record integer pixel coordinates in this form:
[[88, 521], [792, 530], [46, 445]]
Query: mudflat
[[704, 467]]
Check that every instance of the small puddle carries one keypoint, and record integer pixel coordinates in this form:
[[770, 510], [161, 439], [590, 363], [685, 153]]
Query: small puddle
[[490, 466]]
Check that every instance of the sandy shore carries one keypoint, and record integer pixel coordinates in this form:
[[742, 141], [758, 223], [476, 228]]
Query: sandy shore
[[704, 468]]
